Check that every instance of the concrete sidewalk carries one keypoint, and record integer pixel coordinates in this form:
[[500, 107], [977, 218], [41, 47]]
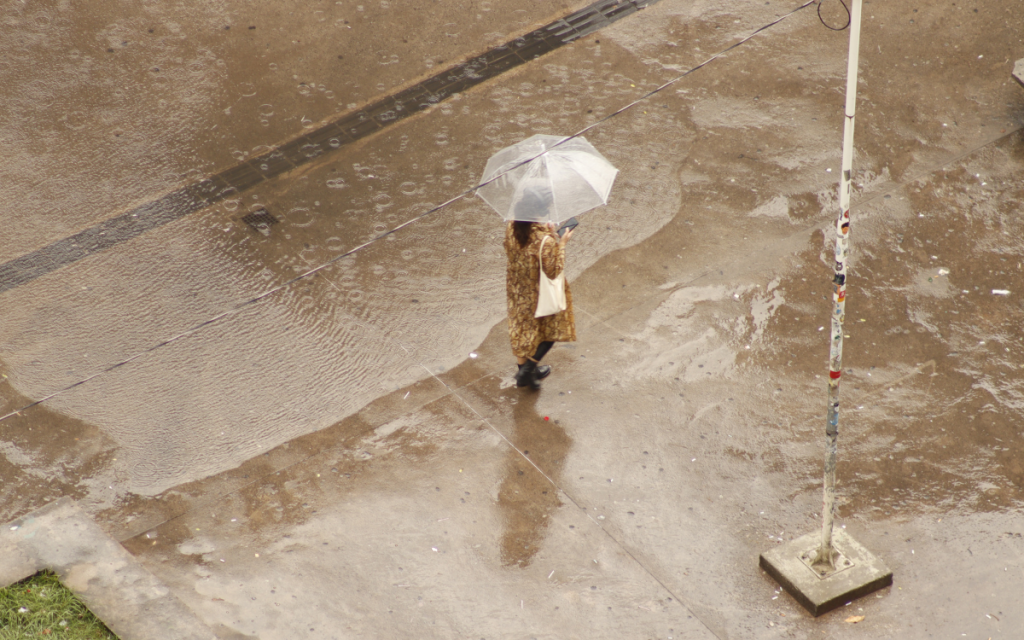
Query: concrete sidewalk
[[391, 481]]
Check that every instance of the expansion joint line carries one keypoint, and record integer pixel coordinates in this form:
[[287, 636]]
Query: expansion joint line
[[576, 503], [242, 305], [495, 430]]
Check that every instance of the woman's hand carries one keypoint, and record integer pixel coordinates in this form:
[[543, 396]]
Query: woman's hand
[[562, 240]]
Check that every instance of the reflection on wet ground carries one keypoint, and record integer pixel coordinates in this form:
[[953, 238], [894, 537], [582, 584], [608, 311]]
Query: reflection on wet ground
[[527, 500], [253, 559]]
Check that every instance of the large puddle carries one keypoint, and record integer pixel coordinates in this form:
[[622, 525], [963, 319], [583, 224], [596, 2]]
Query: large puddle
[[225, 356]]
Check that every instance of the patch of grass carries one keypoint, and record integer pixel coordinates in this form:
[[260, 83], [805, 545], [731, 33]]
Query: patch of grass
[[42, 607]]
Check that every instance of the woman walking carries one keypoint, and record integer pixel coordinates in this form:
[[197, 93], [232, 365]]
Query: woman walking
[[527, 245]]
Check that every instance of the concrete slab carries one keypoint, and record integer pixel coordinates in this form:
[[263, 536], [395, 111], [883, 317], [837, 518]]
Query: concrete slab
[[109, 580], [465, 525], [857, 572], [1018, 71]]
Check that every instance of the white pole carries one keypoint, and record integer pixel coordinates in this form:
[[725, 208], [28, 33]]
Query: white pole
[[825, 554]]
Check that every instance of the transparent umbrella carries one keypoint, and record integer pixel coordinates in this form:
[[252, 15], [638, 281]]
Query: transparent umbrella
[[557, 183]]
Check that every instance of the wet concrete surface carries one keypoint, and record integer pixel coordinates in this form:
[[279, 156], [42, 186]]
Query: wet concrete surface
[[392, 483], [114, 586]]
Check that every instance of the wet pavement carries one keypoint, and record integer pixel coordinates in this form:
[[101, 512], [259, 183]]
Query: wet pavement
[[345, 454]]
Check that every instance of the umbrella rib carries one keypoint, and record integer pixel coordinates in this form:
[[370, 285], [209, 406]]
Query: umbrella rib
[[590, 183], [551, 184]]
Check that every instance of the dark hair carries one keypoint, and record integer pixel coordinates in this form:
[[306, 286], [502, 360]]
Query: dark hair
[[521, 230]]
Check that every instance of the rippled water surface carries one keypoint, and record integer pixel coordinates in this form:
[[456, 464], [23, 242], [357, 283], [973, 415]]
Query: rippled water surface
[[237, 377]]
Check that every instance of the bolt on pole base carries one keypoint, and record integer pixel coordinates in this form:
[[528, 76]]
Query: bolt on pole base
[[1018, 71], [856, 573]]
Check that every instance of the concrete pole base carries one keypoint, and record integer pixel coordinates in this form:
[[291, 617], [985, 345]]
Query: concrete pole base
[[1018, 71], [857, 572]]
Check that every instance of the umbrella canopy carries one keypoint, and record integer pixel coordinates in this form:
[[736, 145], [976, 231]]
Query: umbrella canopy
[[558, 183]]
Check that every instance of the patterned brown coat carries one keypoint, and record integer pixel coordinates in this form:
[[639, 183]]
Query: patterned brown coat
[[522, 282]]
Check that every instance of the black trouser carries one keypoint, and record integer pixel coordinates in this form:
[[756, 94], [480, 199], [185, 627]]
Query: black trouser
[[542, 350]]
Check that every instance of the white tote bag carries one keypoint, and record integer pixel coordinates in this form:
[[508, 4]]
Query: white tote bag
[[551, 294]]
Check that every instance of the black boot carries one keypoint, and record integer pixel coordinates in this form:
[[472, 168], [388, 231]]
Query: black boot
[[543, 371], [527, 375]]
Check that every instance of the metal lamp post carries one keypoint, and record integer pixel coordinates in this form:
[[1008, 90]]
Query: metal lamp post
[[827, 570]]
